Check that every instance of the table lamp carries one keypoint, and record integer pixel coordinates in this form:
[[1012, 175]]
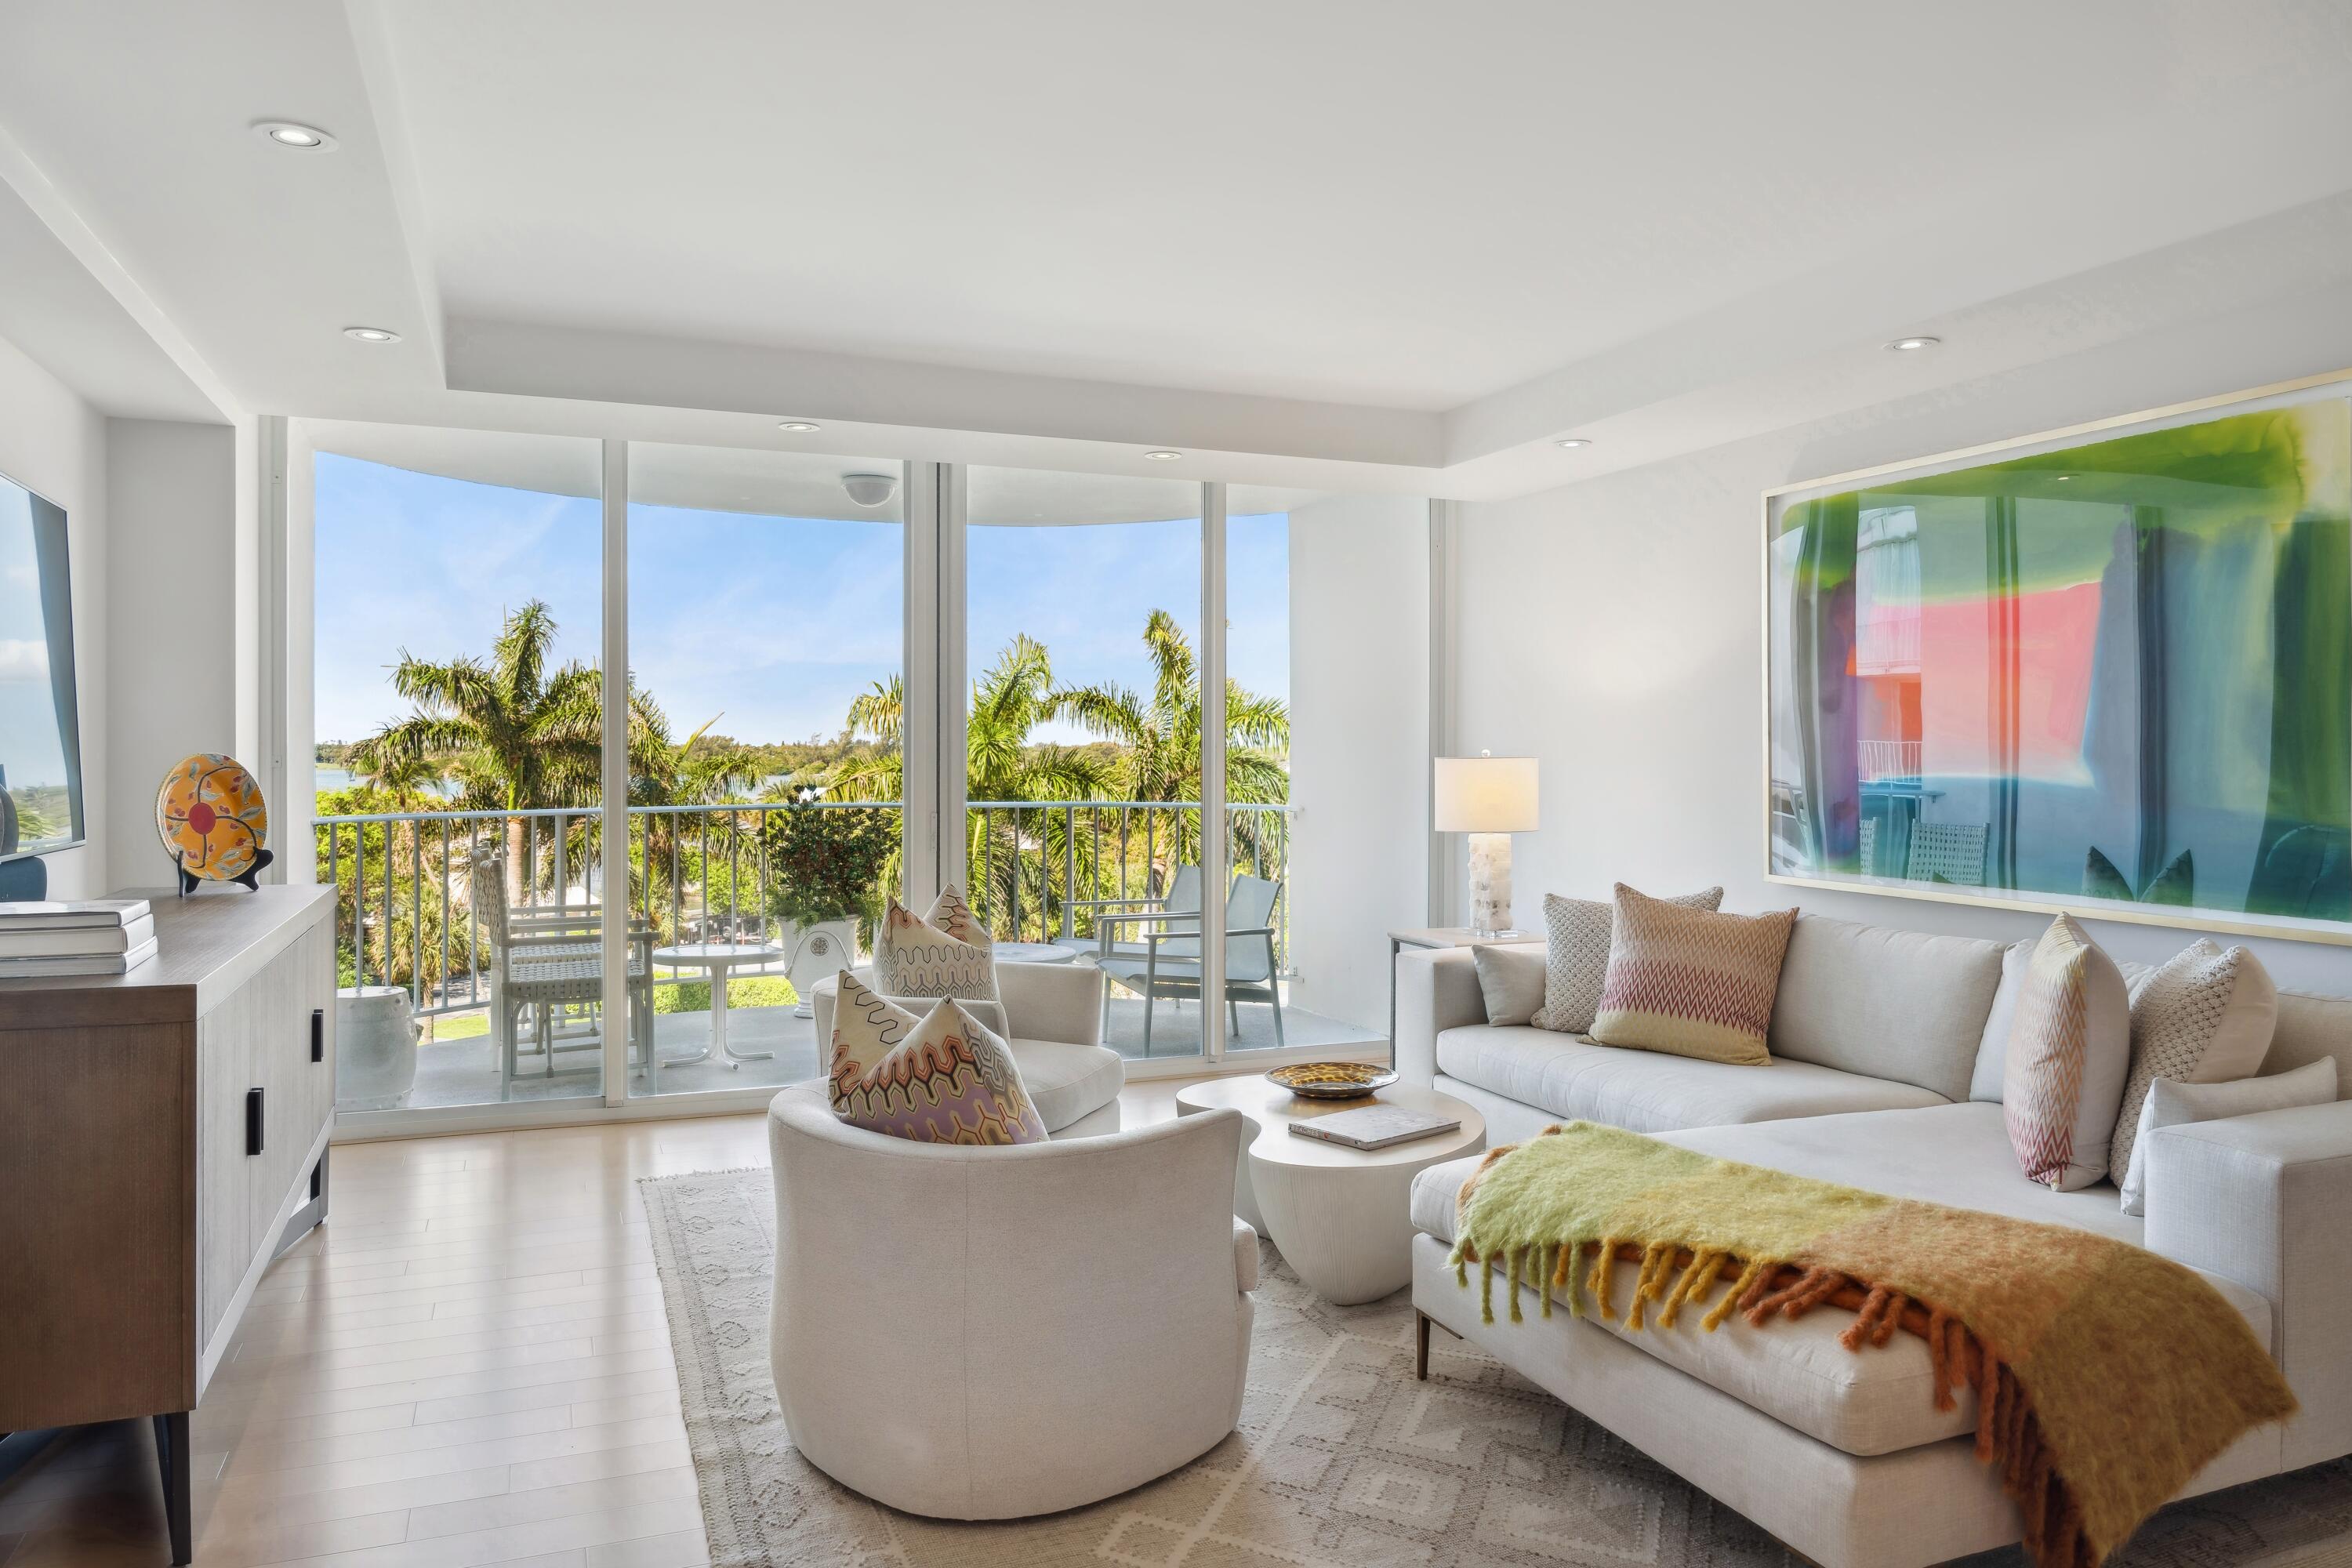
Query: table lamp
[[1489, 798]]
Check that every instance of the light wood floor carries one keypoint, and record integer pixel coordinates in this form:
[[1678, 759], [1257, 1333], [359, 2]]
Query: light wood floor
[[467, 1365]]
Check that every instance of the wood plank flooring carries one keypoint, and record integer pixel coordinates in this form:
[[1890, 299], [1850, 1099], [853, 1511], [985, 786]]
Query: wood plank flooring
[[467, 1367]]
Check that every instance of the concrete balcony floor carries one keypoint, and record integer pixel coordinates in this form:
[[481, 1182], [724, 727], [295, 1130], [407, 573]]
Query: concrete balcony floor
[[464, 1070]]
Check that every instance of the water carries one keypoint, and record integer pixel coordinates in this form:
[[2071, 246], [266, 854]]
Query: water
[[326, 778]]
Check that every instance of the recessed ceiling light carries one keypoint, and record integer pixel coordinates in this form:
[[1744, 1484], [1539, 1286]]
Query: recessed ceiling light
[[371, 335], [294, 134], [1572, 442], [797, 427], [1905, 345], [1163, 455]]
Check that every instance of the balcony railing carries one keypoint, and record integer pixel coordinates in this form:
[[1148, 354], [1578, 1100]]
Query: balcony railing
[[707, 873]]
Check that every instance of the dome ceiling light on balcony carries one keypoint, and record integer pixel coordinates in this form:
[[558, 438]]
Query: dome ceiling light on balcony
[[870, 490], [294, 136]]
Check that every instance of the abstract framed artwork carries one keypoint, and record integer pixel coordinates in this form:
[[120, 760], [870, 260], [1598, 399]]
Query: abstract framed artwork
[[2107, 669]]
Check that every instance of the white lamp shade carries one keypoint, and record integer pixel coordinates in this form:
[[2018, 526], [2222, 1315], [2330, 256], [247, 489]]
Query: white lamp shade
[[1485, 794]]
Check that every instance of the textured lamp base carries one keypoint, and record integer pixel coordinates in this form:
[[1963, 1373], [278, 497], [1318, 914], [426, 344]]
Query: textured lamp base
[[1490, 884]]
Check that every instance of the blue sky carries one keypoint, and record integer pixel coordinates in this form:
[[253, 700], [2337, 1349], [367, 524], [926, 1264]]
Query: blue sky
[[770, 624]]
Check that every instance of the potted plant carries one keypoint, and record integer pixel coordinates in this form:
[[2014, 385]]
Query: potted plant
[[824, 860]]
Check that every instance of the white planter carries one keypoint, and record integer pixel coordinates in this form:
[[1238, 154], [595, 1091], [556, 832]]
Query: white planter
[[819, 953], [375, 1049]]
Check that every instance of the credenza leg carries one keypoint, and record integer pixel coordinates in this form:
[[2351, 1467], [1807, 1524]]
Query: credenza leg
[[171, 1454]]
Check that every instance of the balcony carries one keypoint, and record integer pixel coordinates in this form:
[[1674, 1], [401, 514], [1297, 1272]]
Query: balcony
[[1040, 870]]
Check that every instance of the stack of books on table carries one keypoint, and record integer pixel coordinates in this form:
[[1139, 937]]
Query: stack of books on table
[[102, 936]]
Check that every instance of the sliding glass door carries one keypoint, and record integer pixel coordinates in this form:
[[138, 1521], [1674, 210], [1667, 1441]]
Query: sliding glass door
[[1081, 824], [766, 601]]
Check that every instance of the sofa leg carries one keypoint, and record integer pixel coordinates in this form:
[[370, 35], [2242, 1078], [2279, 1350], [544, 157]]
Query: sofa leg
[[1421, 1346]]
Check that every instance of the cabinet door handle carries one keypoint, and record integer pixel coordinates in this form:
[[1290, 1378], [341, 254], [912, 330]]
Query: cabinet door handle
[[252, 1122], [318, 1034]]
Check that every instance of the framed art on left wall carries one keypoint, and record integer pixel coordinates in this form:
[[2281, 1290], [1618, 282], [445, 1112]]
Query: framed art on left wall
[[2107, 670]]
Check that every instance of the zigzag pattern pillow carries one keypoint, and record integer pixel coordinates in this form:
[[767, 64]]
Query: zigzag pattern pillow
[[1691, 982], [943, 1079], [2069, 1052], [948, 954]]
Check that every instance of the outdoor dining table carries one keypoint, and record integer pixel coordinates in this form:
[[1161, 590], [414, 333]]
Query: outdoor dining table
[[718, 957]]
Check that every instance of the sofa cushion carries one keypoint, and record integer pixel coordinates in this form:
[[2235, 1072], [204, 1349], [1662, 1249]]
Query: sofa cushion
[[2204, 1017], [1879, 1399], [943, 1077], [1891, 1003], [947, 953], [1068, 1081], [1510, 980], [1691, 982], [1992, 1050], [2069, 1053], [1568, 1077]]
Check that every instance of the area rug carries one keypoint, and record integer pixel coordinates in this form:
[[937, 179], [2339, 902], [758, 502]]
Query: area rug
[[1342, 1459]]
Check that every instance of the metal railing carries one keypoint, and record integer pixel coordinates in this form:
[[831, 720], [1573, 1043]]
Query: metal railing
[[707, 873]]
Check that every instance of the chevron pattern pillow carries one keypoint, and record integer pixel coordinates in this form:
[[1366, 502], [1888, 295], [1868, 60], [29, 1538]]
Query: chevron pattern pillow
[[941, 1078], [947, 953], [2069, 1053], [1690, 982]]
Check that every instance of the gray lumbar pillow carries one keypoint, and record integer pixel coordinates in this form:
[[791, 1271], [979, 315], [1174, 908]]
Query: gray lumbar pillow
[[2171, 1104], [1512, 981], [1577, 957]]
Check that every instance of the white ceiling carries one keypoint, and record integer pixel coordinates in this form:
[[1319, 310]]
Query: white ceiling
[[1319, 244]]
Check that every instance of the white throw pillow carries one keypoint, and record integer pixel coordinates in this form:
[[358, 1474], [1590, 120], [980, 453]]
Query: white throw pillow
[[1576, 957], [1511, 979], [2203, 1017], [2170, 1104], [949, 954], [2069, 1053]]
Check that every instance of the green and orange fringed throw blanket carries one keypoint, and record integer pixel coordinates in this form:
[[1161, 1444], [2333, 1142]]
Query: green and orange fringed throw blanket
[[2105, 1377]]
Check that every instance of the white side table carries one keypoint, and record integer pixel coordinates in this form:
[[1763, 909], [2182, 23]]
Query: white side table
[[1340, 1215], [1433, 936], [718, 957]]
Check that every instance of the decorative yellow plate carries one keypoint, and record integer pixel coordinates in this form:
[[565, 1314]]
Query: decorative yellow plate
[[213, 821], [1332, 1081]]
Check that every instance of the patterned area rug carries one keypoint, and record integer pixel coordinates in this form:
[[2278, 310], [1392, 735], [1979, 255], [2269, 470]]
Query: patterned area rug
[[1342, 1460]]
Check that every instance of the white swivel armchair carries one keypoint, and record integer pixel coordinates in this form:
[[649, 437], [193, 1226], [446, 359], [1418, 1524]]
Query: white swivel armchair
[[996, 1333]]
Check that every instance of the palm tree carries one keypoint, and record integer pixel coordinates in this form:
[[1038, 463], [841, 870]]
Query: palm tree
[[1160, 735]]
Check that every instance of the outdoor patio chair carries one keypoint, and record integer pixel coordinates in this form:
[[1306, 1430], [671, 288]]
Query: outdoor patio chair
[[544, 957], [1113, 916], [1250, 971]]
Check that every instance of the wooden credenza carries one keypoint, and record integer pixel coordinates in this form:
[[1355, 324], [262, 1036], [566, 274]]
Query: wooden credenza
[[163, 1137]]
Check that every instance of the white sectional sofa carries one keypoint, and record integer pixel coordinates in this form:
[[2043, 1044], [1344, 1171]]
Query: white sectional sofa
[[1886, 1074]]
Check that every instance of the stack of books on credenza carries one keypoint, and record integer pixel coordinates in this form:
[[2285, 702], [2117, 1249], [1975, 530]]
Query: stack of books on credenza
[[101, 936]]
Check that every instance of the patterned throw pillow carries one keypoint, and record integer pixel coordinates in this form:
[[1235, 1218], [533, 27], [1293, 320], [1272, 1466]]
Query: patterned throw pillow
[[2171, 1104], [1576, 957], [2069, 1052], [943, 1079], [2204, 1017], [1691, 982], [947, 954]]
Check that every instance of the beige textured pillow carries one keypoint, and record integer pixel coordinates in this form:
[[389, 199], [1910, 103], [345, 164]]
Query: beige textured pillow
[[2069, 1052], [1691, 982], [1576, 957], [1510, 980], [948, 954], [2205, 1016]]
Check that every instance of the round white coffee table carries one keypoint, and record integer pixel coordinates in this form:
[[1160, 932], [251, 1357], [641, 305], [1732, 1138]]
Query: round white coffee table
[[1032, 953], [1339, 1214], [719, 957]]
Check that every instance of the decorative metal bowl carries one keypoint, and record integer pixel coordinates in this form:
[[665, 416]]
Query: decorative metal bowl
[[1332, 1081]]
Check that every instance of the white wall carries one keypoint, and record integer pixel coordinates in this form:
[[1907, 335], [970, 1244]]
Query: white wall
[[54, 443], [1611, 629], [1358, 745], [175, 602]]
